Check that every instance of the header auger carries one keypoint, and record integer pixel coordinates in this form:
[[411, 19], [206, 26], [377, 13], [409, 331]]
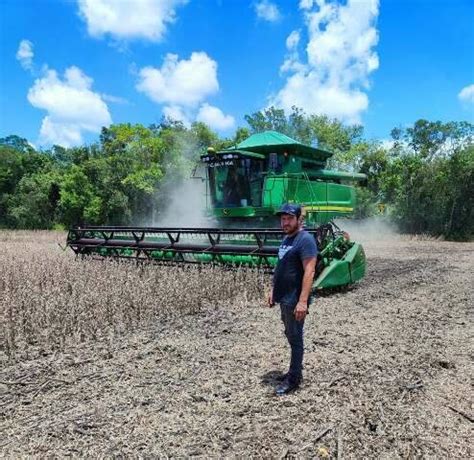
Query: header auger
[[245, 186]]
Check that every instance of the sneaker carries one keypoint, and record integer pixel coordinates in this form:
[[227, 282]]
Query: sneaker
[[286, 387]]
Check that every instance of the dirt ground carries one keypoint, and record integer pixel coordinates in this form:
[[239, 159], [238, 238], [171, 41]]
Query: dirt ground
[[388, 374]]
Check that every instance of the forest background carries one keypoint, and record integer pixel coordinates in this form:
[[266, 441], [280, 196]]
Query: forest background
[[422, 179]]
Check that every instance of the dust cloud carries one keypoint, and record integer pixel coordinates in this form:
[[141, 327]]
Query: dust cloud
[[180, 200], [186, 206], [370, 229]]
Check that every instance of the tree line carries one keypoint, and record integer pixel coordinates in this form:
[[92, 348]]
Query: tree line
[[422, 178]]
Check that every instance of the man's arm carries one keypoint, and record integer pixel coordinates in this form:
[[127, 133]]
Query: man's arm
[[309, 266], [270, 302]]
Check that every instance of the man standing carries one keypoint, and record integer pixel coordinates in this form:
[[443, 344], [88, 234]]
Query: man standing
[[292, 283]]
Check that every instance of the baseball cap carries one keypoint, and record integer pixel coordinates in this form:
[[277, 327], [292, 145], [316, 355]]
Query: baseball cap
[[291, 209]]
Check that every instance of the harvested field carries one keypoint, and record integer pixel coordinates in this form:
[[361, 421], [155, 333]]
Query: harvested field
[[106, 359]]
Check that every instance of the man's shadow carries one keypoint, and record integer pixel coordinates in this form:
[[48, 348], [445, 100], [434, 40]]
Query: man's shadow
[[272, 378]]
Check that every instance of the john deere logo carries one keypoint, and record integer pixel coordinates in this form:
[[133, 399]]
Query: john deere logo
[[225, 212]]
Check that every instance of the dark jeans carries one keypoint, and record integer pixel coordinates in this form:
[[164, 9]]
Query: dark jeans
[[294, 334]]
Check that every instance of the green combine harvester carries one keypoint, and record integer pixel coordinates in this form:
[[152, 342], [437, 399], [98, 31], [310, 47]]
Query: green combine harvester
[[245, 186]]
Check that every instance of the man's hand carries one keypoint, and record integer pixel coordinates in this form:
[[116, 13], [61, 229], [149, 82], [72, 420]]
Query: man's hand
[[270, 302], [300, 311]]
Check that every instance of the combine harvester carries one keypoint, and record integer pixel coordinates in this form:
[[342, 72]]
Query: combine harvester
[[245, 186]]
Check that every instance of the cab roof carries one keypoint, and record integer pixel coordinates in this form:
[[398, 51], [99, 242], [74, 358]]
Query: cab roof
[[275, 142]]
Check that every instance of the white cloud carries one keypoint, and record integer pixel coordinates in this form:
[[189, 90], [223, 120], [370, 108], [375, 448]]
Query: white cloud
[[466, 95], [183, 86], [25, 54], [59, 133], [215, 118], [114, 99], [293, 40], [72, 106], [177, 113], [292, 60], [340, 58], [306, 4], [129, 19], [184, 83], [268, 11], [387, 144]]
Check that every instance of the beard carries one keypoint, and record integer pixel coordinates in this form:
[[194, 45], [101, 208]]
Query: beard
[[290, 228]]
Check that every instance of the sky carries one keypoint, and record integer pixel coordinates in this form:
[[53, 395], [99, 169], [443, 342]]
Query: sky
[[69, 67]]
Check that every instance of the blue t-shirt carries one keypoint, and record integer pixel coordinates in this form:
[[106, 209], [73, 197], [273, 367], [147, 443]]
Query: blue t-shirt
[[288, 275]]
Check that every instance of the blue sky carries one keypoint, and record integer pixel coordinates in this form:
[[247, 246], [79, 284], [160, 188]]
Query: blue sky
[[69, 67]]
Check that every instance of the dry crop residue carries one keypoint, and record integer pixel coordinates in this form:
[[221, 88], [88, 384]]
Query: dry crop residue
[[99, 358]]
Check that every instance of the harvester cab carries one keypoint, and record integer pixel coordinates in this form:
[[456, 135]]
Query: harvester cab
[[245, 186]]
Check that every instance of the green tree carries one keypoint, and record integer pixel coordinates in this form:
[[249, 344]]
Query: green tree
[[240, 135], [269, 119], [79, 201], [345, 141], [11, 172], [429, 179], [333, 134], [434, 138], [135, 157], [17, 160], [460, 206], [34, 203], [18, 143]]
